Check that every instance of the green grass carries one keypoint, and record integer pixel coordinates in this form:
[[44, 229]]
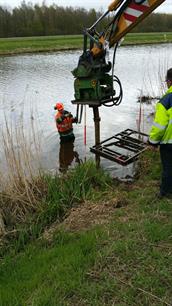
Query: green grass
[[33, 44], [147, 38], [126, 261], [47, 276], [66, 42]]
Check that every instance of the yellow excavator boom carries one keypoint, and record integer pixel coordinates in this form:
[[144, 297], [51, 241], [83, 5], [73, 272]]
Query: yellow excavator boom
[[127, 14], [134, 13]]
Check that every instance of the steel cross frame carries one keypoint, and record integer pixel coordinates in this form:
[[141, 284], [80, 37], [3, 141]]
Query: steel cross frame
[[123, 148]]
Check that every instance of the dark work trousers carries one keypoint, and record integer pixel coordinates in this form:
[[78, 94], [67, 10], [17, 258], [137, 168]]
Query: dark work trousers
[[166, 160], [67, 138]]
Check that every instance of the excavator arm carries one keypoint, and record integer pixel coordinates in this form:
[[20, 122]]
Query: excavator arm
[[127, 15], [94, 85]]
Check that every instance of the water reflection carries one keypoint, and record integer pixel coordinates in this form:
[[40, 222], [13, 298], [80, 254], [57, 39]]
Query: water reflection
[[67, 155]]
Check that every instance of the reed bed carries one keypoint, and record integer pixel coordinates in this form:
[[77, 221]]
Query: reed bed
[[21, 182]]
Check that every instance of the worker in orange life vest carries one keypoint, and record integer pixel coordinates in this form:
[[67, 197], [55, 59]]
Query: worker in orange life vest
[[64, 123]]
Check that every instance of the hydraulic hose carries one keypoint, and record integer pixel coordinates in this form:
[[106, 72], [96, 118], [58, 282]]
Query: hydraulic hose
[[115, 100]]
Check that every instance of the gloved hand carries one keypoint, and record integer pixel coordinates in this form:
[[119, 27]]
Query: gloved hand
[[75, 120]]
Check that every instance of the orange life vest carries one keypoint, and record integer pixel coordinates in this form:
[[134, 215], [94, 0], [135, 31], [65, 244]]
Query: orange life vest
[[65, 125]]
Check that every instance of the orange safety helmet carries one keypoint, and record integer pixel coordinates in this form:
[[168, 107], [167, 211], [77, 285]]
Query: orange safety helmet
[[59, 106]]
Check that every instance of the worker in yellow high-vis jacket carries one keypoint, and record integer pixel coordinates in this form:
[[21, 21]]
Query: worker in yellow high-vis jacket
[[161, 134]]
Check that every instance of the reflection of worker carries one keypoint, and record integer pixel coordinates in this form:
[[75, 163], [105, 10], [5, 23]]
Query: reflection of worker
[[67, 155], [161, 134], [64, 121]]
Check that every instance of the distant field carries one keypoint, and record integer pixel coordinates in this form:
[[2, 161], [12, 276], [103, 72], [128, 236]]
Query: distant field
[[66, 42], [39, 44], [142, 38]]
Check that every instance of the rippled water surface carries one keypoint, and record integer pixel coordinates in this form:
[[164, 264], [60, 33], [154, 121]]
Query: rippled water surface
[[31, 84]]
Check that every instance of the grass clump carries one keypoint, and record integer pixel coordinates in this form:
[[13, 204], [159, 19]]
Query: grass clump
[[78, 184], [83, 183], [56, 196]]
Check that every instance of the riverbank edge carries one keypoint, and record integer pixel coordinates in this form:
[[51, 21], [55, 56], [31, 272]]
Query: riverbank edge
[[122, 258], [52, 50]]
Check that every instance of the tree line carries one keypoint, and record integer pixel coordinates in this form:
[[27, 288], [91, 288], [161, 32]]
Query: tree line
[[39, 20]]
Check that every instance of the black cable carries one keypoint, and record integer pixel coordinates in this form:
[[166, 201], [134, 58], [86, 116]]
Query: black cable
[[115, 100]]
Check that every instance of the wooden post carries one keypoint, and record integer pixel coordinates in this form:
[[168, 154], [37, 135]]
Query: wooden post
[[97, 131]]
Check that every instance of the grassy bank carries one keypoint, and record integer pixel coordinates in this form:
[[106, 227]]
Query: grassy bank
[[39, 44], [54, 43], [113, 246]]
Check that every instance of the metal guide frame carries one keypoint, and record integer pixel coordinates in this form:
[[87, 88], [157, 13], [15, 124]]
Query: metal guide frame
[[123, 148]]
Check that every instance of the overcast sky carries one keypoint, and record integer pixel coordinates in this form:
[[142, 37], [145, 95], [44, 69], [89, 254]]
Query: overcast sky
[[165, 7]]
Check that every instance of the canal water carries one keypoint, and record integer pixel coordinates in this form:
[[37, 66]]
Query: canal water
[[30, 85]]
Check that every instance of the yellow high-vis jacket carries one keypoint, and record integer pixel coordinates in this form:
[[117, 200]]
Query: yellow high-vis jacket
[[161, 131]]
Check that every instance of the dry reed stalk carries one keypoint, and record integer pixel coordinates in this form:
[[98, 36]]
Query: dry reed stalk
[[154, 83], [23, 185], [2, 226]]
